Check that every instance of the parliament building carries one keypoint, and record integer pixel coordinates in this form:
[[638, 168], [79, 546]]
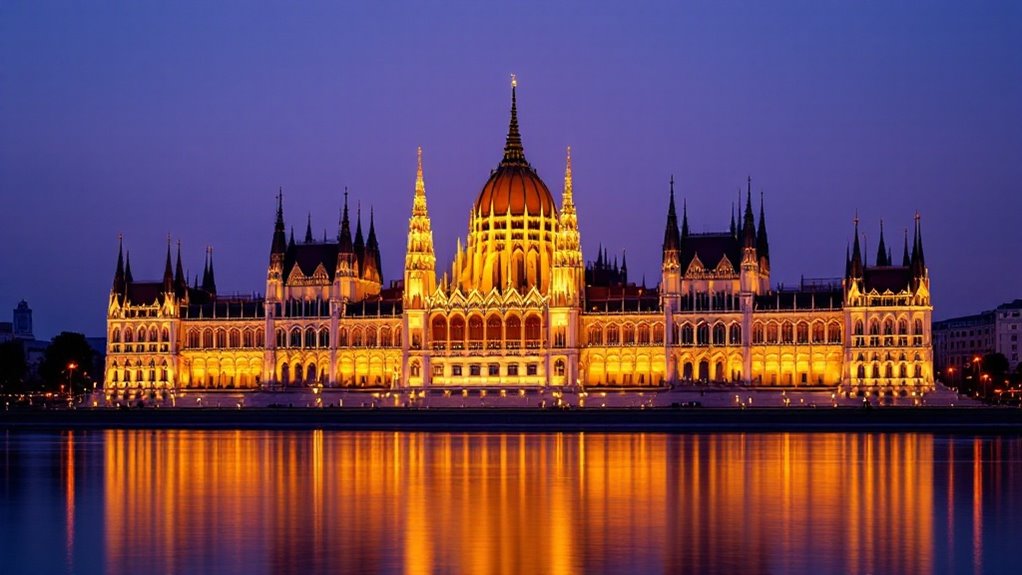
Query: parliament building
[[520, 308]]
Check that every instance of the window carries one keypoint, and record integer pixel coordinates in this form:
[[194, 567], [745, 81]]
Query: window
[[474, 370], [456, 370], [438, 370], [494, 369], [531, 369], [512, 369], [559, 368]]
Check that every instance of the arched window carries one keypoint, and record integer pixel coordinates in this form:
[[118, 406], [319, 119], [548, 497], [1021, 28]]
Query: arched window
[[771, 336], [207, 338], [285, 373], [493, 332], [595, 335], [687, 335], [370, 336], [324, 337], [533, 331], [281, 338], [658, 333], [858, 327], [802, 332], [918, 327], [356, 337], [757, 333], [260, 341], [165, 334], [874, 327], [439, 333], [514, 329], [342, 337], [861, 372], [629, 334], [888, 326], [193, 338], [703, 334], [153, 334], [559, 368], [310, 337], [115, 337], [128, 335], [457, 333], [246, 338], [296, 337], [386, 339], [643, 334], [834, 333], [786, 332], [141, 335], [902, 370], [613, 334], [719, 334], [221, 339], [475, 332], [735, 335], [415, 369], [819, 335], [235, 338], [902, 326]]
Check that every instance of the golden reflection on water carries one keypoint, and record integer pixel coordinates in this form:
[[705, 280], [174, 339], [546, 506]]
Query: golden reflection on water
[[186, 501]]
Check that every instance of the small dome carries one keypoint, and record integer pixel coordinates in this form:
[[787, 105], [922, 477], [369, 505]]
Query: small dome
[[515, 189]]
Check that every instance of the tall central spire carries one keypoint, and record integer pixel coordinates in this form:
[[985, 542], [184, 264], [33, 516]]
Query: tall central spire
[[514, 153]]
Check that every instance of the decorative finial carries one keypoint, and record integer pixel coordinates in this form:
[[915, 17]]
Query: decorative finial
[[855, 220], [514, 80]]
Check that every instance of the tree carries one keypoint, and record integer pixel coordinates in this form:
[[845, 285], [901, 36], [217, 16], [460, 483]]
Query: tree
[[995, 365], [12, 366], [66, 362]]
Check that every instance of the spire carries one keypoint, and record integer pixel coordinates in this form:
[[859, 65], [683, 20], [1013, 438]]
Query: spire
[[360, 244], [882, 259], [568, 199], [308, 229], [119, 283], [848, 262], [749, 223], [208, 278], [279, 240], [128, 279], [291, 240], [168, 271], [344, 231], [762, 245], [373, 247], [180, 282], [514, 153], [672, 238], [684, 220], [624, 267], [855, 268], [905, 261], [918, 261], [734, 230]]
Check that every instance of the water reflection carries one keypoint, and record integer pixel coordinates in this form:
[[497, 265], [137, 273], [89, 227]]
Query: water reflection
[[299, 502]]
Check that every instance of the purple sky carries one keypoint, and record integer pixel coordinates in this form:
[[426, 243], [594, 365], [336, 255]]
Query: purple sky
[[185, 118]]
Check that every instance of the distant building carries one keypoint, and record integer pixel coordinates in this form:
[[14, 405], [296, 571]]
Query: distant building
[[23, 321], [959, 340], [518, 307], [6, 331]]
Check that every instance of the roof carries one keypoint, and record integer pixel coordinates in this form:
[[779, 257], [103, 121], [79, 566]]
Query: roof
[[887, 278], [310, 256], [144, 292], [710, 248], [791, 300], [622, 299], [515, 189]]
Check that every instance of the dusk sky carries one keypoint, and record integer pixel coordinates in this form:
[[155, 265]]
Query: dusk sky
[[184, 118]]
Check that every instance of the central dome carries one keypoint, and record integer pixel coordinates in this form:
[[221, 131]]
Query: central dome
[[514, 187]]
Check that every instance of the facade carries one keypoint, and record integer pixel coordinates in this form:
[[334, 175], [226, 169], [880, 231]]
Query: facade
[[958, 341], [520, 308]]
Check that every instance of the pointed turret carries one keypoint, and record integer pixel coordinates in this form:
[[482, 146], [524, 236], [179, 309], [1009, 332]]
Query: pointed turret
[[180, 281], [882, 258], [855, 268], [420, 260], [672, 237], [168, 272], [514, 153], [734, 229], [119, 287], [905, 261], [360, 243], [279, 240], [344, 229], [624, 268], [371, 270], [684, 221], [762, 244], [205, 270], [918, 259], [208, 277], [128, 278], [308, 230], [291, 239], [749, 221]]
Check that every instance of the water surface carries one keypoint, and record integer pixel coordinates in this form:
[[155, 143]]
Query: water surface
[[313, 501]]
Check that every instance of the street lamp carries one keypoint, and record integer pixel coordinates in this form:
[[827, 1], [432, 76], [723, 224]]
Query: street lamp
[[71, 367]]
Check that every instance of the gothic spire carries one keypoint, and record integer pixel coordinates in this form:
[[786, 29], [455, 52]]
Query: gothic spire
[[684, 220], [344, 231], [360, 244], [514, 153], [918, 260], [855, 269], [208, 278], [749, 221], [762, 244], [168, 272], [291, 239], [372, 246], [882, 259], [279, 240], [308, 230], [128, 279], [734, 230], [180, 281], [119, 283], [672, 238], [905, 261]]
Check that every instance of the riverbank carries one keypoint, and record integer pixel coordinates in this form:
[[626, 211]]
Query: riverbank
[[669, 420]]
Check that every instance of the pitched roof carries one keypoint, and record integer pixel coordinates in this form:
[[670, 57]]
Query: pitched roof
[[711, 248]]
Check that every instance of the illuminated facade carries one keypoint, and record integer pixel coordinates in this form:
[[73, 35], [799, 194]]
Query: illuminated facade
[[520, 308]]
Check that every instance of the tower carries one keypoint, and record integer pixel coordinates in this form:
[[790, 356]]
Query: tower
[[419, 282], [671, 266], [568, 270]]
